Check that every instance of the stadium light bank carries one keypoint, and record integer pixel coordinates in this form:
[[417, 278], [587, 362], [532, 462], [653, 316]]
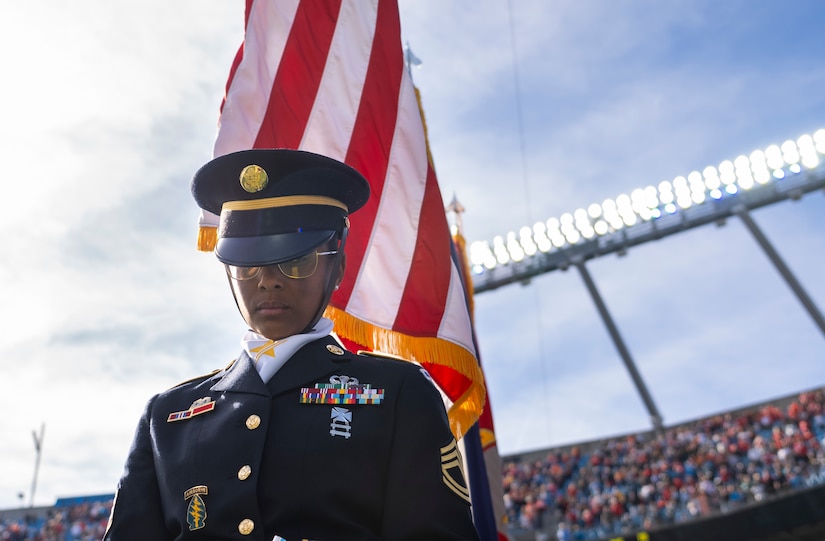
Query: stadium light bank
[[780, 172]]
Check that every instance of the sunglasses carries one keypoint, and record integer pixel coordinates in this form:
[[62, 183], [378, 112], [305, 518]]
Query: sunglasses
[[300, 267]]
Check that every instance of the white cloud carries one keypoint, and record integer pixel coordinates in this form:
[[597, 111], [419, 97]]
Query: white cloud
[[109, 108]]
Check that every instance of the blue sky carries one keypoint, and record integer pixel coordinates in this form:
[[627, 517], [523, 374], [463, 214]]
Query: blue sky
[[111, 108]]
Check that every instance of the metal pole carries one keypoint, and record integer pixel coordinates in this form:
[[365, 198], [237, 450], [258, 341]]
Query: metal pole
[[38, 447], [653, 411], [773, 255]]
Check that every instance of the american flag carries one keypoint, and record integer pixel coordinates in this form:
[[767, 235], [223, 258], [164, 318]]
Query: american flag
[[328, 76]]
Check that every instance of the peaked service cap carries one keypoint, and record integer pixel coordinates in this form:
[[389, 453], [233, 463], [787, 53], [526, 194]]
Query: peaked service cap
[[276, 204]]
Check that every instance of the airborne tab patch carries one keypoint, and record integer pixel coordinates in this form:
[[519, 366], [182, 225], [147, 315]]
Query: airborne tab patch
[[196, 511]]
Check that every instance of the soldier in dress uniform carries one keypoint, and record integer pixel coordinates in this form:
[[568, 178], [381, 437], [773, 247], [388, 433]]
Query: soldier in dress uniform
[[297, 438]]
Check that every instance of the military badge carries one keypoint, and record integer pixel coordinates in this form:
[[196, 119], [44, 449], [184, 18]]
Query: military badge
[[196, 511], [341, 422], [253, 178], [452, 471], [199, 406], [341, 390]]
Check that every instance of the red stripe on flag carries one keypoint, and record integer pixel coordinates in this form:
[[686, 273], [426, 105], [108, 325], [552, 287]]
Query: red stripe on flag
[[238, 55], [428, 282], [372, 134], [235, 63], [299, 75], [452, 383], [247, 12]]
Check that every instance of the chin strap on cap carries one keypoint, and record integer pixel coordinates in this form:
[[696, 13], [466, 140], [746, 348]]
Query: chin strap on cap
[[330, 286]]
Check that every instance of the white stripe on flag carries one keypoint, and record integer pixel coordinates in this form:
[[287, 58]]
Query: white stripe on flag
[[379, 286], [248, 95], [330, 124], [455, 324]]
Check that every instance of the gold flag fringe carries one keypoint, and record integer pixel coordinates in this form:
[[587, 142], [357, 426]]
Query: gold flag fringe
[[466, 410], [207, 238]]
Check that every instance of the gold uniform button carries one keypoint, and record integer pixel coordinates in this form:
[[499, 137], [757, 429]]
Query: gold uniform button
[[246, 526], [244, 472], [253, 422]]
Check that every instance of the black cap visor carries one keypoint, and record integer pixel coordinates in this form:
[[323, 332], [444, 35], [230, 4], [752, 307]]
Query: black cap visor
[[269, 249]]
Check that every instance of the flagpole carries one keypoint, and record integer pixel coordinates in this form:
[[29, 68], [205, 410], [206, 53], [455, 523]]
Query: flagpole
[[481, 459], [38, 447]]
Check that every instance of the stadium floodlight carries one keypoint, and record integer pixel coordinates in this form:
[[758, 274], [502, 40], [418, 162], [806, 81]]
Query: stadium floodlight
[[711, 176], [744, 177], [643, 202], [528, 244], [477, 252], [759, 166], [819, 141], [790, 153], [544, 244], [807, 151], [773, 158], [682, 192], [727, 172], [753, 180], [514, 249], [500, 250], [594, 210], [539, 235]]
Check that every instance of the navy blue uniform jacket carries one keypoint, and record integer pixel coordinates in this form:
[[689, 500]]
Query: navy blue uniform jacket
[[226, 456]]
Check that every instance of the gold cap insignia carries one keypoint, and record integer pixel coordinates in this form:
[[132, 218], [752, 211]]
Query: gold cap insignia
[[254, 178], [335, 350]]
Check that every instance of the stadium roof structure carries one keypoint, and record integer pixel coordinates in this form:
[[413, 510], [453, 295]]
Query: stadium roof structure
[[778, 173], [735, 187]]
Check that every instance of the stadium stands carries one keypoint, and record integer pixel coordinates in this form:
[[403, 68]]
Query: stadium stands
[[647, 482], [757, 473], [70, 519]]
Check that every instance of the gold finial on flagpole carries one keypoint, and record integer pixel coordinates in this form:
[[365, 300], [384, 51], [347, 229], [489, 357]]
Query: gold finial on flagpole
[[458, 209]]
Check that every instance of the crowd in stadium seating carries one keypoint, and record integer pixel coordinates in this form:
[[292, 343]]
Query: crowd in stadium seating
[[82, 522], [620, 486], [632, 483]]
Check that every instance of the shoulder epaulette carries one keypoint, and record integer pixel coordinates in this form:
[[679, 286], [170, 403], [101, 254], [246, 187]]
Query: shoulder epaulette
[[203, 376], [382, 355]]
